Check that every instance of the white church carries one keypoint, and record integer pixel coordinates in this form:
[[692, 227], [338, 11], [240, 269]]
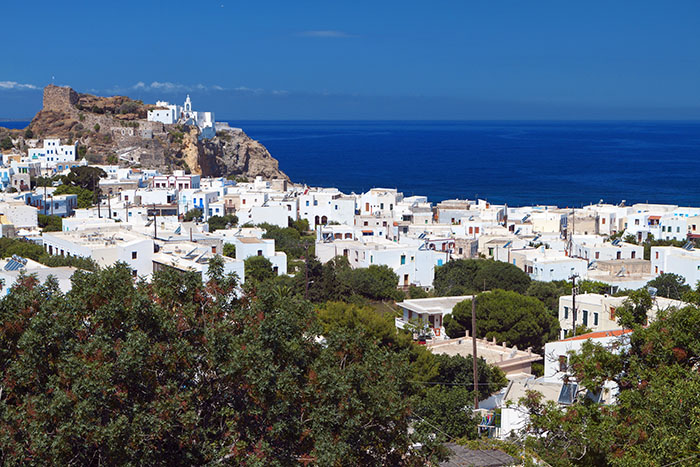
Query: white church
[[172, 113]]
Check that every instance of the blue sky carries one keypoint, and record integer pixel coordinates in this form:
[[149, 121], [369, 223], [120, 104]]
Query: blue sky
[[386, 59]]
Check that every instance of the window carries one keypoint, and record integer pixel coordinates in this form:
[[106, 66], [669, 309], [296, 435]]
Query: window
[[381, 205], [562, 363], [597, 255], [634, 254], [619, 255], [636, 222], [657, 255], [134, 254], [259, 252], [439, 263], [595, 319], [566, 312], [403, 259], [585, 317], [603, 220]]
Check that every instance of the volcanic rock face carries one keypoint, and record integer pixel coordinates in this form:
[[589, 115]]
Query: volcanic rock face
[[115, 128]]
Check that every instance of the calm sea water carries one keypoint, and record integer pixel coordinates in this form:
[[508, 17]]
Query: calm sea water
[[563, 163]]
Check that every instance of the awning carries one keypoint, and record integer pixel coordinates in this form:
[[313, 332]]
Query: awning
[[654, 218]]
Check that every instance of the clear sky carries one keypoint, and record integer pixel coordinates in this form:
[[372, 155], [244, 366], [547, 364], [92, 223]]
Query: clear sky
[[380, 59]]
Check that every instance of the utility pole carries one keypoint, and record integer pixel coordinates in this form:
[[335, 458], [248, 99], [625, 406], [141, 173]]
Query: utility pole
[[306, 271], [45, 211], [109, 205], [155, 222], [573, 303], [475, 368]]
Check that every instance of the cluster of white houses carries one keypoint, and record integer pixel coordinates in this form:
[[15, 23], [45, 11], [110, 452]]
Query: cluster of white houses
[[140, 222], [409, 234]]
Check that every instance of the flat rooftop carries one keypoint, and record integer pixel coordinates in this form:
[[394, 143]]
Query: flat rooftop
[[98, 236], [249, 240], [433, 305], [504, 357]]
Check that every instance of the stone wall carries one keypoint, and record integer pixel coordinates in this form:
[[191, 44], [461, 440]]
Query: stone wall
[[59, 98]]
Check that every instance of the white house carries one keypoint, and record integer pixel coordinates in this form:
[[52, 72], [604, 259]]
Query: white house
[[681, 261], [598, 312], [412, 262], [324, 206], [547, 265], [430, 311], [53, 153], [247, 247], [188, 256], [169, 113], [105, 247]]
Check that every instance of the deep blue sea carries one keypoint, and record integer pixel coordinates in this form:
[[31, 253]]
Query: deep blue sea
[[562, 163]]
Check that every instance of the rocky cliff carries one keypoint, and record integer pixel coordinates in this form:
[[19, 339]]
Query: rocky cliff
[[115, 129]]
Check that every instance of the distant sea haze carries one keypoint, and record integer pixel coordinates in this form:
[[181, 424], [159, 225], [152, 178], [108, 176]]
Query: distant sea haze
[[519, 163]]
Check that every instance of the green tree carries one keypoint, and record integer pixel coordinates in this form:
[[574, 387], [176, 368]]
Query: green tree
[[50, 223], [468, 276], [449, 408], [654, 421], [6, 143], [230, 250], [180, 372], [300, 225], [549, 293], [221, 222], [86, 198], [85, 177], [97, 127], [258, 269], [670, 285], [192, 214], [375, 282], [508, 316], [635, 309], [289, 240], [28, 133], [417, 292]]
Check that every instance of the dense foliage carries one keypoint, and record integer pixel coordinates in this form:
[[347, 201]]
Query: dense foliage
[[86, 198], [258, 269], [50, 223], [507, 316], [291, 240], [655, 419], [192, 215], [221, 222], [469, 276], [179, 372], [670, 286]]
